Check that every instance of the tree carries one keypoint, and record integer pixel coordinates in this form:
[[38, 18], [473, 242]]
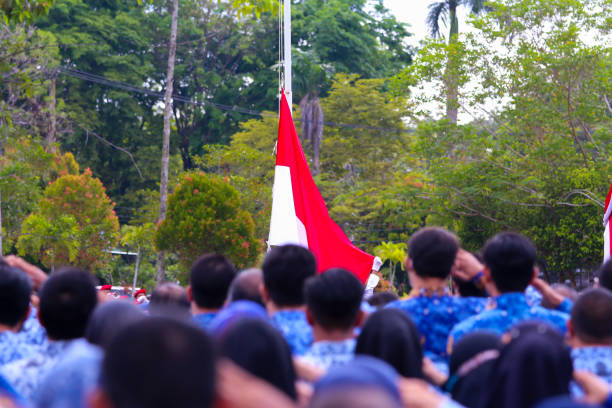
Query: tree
[[23, 10], [395, 254], [439, 11], [74, 224], [205, 215]]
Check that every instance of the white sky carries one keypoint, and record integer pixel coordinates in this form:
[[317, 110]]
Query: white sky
[[413, 12]]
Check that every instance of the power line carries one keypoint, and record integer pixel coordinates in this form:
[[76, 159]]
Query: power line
[[86, 76]]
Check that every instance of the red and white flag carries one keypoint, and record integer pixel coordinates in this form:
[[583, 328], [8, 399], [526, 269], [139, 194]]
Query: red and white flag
[[606, 222], [299, 214]]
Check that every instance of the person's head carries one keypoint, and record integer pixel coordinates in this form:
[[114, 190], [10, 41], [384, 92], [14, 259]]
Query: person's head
[[109, 318], [209, 280], [169, 299], [432, 252], [390, 335], [605, 275], [15, 290], [380, 299], [67, 299], [333, 300], [509, 262], [157, 362], [591, 318], [364, 382], [234, 313], [534, 365], [470, 365], [285, 270], [260, 349], [245, 286], [467, 288]]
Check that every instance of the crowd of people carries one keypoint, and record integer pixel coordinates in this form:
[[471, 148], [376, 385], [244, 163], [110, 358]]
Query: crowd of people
[[479, 331]]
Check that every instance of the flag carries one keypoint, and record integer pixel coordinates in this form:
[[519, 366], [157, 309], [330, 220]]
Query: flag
[[299, 214], [606, 223]]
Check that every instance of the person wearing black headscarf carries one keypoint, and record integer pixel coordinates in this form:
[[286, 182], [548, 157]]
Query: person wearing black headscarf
[[470, 366], [534, 365], [260, 349], [390, 335]]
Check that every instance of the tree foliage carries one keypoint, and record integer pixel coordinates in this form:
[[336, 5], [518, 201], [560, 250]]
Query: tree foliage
[[205, 215], [74, 224]]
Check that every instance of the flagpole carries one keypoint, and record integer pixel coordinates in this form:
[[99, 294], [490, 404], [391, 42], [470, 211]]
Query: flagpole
[[287, 51]]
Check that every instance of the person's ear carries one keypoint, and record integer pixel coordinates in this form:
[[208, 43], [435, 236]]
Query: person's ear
[[265, 296], [536, 272], [99, 399], [571, 331], [189, 293], [408, 264], [309, 317], [486, 274], [360, 318]]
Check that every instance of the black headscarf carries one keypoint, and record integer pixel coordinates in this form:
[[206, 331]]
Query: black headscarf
[[533, 366], [470, 367], [260, 349], [390, 335]]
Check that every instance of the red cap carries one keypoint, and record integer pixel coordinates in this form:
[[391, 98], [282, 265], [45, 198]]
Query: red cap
[[140, 291], [106, 287]]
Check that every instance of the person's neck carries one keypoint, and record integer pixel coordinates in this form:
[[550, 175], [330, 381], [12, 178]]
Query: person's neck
[[429, 284], [272, 308], [321, 334], [576, 342], [7, 328], [196, 310]]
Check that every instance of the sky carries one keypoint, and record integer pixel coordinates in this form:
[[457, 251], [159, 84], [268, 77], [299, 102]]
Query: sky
[[413, 12]]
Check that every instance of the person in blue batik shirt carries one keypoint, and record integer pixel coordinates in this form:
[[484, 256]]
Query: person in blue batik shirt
[[15, 288], [333, 309], [509, 267], [285, 270], [210, 278], [431, 255], [67, 299], [590, 333]]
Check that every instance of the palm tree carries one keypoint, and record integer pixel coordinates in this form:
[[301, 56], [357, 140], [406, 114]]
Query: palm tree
[[441, 11]]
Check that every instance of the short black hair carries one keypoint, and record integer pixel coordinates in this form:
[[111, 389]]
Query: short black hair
[[15, 290], [380, 299], [605, 275], [334, 298], [159, 362], [169, 299], [210, 278], [468, 288], [67, 299], [510, 257], [592, 316], [245, 286], [432, 251], [285, 270]]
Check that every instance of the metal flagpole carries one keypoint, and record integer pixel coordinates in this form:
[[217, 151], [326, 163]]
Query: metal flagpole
[[287, 51]]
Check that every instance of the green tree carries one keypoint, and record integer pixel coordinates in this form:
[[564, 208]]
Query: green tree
[[395, 254], [23, 10], [74, 224], [205, 215]]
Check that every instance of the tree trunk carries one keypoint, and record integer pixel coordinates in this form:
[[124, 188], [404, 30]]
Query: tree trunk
[[51, 137], [451, 81], [163, 185]]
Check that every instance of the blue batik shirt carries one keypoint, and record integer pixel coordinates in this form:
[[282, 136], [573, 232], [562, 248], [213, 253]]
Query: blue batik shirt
[[203, 320], [295, 328], [25, 375], [32, 332], [324, 354], [594, 359], [435, 314], [13, 347], [534, 298], [505, 311]]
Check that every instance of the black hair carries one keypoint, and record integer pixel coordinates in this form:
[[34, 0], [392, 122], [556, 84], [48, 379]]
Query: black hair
[[605, 275], [285, 270], [334, 298], [380, 299], [261, 350], [592, 316], [170, 299], [67, 299], [15, 290], [245, 286], [210, 278], [432, 251], [510, 257], [159, 362], [390, 335], [468, 288], [110, 318]]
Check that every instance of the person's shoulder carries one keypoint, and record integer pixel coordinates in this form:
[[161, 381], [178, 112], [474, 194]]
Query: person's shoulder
[[554, 316], [403, 304]]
